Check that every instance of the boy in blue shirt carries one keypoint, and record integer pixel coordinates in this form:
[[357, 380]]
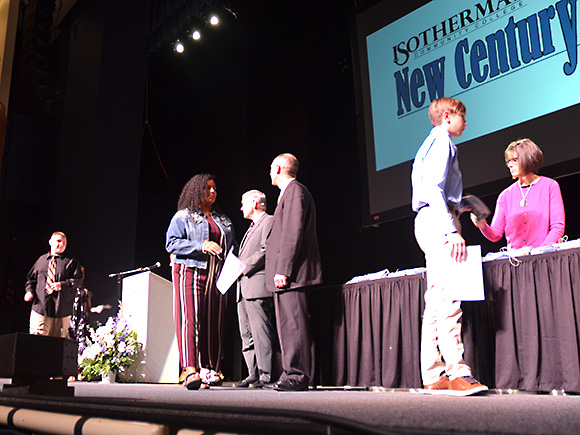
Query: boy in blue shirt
[[437, 192]]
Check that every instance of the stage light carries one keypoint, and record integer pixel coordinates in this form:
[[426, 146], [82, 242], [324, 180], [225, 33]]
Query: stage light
[[214, 20], [179, 47], [196, 35]]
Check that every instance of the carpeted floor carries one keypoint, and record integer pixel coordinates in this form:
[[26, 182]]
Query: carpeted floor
[[332, 410]]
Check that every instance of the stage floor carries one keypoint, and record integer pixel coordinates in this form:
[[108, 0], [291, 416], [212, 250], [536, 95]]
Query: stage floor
[[322, 410]]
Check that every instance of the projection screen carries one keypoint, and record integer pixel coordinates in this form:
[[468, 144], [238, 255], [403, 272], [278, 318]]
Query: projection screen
[[514, 64]]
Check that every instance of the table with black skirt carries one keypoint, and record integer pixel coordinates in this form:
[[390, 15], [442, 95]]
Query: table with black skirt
[[524, 336]]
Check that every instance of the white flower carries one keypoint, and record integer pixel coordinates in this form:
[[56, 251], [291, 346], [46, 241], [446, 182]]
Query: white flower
[[109, 341], [92, 352], [103, 331], [111, 348]]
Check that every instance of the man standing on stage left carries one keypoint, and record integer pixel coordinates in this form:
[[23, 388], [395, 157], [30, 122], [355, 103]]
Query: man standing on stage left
[[51, 286]]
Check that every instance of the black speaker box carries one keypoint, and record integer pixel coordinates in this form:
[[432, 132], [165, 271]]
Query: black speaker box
[[28, 356]]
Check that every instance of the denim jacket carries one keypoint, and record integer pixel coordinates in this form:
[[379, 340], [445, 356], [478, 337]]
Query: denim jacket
[[187, 233]]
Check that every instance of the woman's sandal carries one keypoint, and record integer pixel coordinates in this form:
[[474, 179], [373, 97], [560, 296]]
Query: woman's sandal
[[218, 382], [183, 375], [211, 378], [192, 381]]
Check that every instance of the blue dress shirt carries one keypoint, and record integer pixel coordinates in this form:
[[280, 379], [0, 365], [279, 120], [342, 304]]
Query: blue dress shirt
[[436, 178]]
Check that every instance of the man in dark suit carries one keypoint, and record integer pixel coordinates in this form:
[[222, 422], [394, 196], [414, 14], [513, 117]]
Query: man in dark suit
[[292, 265], [255, 303]]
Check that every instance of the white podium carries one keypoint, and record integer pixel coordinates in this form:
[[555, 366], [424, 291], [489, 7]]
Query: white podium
[[148, 308]]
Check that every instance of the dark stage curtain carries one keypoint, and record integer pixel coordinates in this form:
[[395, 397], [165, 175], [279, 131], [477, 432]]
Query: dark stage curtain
[[525, 335]]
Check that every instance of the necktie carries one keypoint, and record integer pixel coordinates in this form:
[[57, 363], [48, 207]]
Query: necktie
[[247, 233], [50, 274]]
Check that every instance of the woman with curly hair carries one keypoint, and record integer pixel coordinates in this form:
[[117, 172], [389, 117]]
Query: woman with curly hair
[[198, 237]]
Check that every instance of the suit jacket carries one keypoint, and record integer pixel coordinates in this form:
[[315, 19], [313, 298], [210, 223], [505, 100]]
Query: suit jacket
[[252, 283], [292, 246]]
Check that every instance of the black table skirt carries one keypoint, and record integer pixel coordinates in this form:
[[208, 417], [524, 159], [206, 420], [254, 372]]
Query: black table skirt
[[525, 335]]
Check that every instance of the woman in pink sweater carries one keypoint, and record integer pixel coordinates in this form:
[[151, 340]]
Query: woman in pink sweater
[[530, 212]]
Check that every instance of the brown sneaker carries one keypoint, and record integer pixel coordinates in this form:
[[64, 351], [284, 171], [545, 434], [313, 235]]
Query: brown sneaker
[[441, 384], [465, 386]]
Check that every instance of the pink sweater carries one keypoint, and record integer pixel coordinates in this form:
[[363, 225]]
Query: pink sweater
[[540, 223]]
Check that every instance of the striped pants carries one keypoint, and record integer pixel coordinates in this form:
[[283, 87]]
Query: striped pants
[[199, 315]]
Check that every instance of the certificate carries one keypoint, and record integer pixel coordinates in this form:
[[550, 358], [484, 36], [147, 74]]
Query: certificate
[[464, 279], [231, 270]]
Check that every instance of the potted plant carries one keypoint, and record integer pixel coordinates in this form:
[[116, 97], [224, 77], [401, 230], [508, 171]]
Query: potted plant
[[111, 348]]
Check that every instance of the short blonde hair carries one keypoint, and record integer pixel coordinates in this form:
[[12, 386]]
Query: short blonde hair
[[530, 156], [440, 105], [58, 233]]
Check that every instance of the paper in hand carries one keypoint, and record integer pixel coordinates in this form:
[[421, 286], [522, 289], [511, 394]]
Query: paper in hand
[[464, 279], [231, 271]]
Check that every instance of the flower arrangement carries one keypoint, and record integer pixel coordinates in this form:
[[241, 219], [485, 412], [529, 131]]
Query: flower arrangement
[[112, 347]]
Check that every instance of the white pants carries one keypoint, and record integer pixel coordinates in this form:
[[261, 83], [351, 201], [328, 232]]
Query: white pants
[[441, 345], [53, 326]]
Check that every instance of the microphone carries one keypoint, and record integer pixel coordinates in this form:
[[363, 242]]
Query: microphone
[[153, 266], [129, 272]]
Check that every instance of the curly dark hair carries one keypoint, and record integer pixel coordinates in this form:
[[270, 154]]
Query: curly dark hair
[[192, 193]]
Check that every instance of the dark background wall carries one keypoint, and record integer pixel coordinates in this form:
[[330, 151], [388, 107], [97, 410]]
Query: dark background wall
[[73, 165], [106, 162]]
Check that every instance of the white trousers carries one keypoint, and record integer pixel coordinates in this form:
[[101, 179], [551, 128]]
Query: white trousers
[[441, 344]]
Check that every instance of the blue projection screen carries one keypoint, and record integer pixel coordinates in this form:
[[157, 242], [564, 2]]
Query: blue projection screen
[[513, 63]]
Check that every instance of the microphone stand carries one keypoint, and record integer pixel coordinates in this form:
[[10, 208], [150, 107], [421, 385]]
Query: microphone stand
[[121, 275]]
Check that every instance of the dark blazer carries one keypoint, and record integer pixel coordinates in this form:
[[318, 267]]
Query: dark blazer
[[252, 253], [292, 246]]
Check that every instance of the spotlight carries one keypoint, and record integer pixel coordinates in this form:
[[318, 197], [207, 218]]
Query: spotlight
[[214, 20], [196, 35], [179, 47]]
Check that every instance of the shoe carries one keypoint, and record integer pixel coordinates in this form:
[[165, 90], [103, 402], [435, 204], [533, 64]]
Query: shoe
[[216, 383], [184, 373], [245, 383], [269, 385], [257, 385], [291, 385], [441, 384], [192, 381], [211, 377], [465, 386]]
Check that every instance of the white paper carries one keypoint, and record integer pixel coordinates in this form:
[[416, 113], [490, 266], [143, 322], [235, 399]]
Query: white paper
[[231, 270], [464, 279]]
